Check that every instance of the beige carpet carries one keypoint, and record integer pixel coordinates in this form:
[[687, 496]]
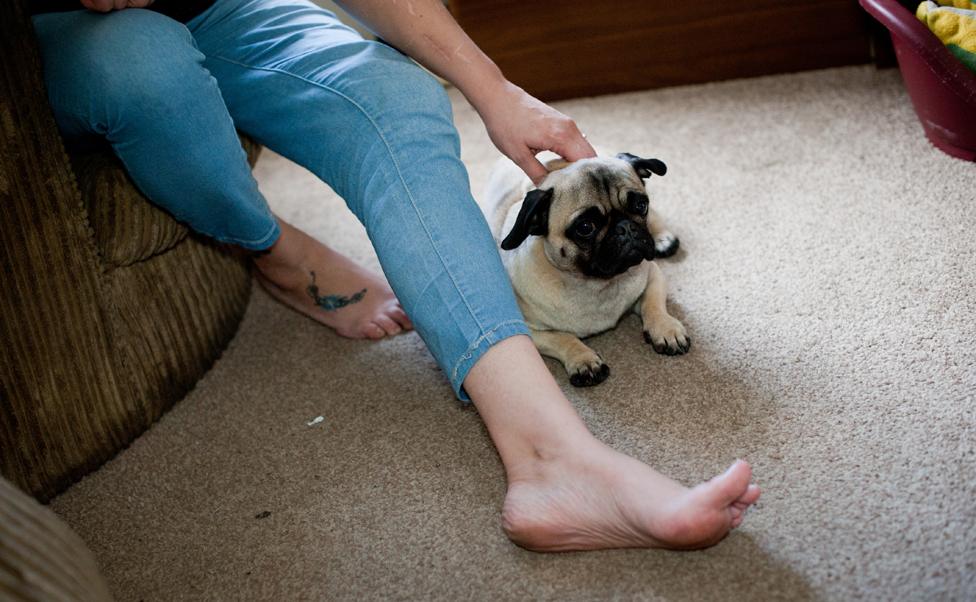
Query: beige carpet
[[827, 280]]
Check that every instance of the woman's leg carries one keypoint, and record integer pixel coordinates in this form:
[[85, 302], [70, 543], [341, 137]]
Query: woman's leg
[[379, 131], [136, 79]]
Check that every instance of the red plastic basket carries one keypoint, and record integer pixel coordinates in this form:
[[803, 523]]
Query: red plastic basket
[[942, 89]]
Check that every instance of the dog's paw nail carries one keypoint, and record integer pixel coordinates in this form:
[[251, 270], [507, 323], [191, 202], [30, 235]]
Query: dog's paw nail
[[587, 377], [669, 347]]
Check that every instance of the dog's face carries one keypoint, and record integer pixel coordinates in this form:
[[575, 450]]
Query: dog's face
[[593, 215]]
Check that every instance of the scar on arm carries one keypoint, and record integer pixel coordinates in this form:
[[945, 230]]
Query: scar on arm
[[437, 47], [457, 53], [445, 54]]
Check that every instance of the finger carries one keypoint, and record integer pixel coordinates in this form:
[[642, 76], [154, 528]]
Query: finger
[[573, 146], [532, 168], [120, 4]]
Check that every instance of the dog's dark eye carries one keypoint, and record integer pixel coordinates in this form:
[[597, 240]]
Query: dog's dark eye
[[637, 203], [585, 228]]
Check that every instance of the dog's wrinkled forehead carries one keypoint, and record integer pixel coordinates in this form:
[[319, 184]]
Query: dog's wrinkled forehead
[[598, 172], [603, 180]]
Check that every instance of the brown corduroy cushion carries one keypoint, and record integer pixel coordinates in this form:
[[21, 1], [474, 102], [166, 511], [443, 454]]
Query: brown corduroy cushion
[[41, 558], [92, 351], [170, 317]]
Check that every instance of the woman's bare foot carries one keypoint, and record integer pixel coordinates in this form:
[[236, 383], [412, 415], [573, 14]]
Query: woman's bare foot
[[329, 287], [599, 498], [568, 491]]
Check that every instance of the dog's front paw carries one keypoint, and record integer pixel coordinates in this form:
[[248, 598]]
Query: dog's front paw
[[666, 244], [588, 373], [667, 336]]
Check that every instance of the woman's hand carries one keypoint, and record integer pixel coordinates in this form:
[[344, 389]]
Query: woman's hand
[[104, 6], [522, 126]]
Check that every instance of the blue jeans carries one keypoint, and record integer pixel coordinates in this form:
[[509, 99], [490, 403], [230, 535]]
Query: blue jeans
[[363, 117]]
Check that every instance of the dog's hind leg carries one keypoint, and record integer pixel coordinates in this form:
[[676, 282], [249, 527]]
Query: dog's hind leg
[[663, 331], [584, 366]]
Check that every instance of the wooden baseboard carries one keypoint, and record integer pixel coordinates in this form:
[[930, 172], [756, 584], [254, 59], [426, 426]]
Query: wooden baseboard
[[576, 48]]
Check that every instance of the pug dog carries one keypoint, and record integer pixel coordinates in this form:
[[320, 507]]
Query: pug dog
[[580, 251]]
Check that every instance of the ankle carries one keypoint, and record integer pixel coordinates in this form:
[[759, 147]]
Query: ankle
[[548, 456], [289, 252]]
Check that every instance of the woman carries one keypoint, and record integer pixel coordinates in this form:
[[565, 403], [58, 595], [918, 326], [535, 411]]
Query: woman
[[166, 85]]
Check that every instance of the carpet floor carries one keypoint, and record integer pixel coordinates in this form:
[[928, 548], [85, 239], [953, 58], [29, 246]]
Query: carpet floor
[[828, 278]]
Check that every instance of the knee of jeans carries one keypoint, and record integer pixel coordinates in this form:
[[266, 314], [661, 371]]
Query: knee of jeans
[[129, 59], [414, 126], [416, 94], [418, 124], [425, 93]]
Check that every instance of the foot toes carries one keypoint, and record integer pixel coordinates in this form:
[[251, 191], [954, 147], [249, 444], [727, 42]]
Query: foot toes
[[373, 331], [401, 318], [388, 325], [588, 376], [751, 496], [737, 520], [729, 486]]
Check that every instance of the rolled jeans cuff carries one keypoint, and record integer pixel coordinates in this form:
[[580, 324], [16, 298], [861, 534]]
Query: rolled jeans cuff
[[478, 348]]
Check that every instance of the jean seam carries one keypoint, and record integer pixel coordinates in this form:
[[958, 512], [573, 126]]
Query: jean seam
[[389, 151], [476, 344]]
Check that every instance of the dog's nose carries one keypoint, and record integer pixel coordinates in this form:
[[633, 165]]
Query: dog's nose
[[624, 228], [627, 229]]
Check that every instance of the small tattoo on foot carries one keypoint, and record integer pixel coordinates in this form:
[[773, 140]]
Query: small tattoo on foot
[[332, 302]]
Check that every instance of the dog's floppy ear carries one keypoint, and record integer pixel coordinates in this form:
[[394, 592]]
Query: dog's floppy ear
[[644, 167], [532, 220]]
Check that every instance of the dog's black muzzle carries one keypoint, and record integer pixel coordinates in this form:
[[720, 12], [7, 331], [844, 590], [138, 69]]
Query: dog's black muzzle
[[626, 244]]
